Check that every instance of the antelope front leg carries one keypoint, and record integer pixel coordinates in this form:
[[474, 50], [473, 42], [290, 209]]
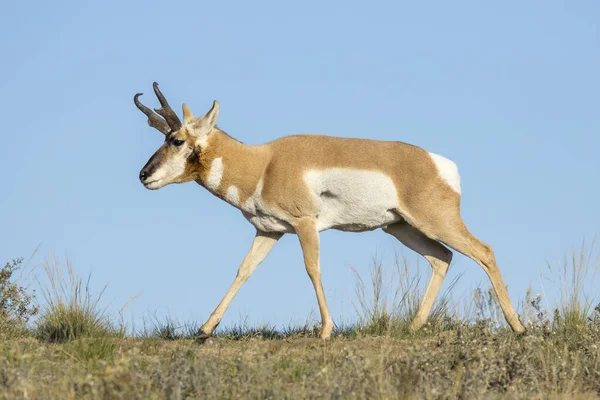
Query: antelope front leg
[[309, 240], [262, 245]]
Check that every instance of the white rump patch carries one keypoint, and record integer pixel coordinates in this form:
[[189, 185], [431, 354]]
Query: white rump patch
[[215, 174], [353, 200], [448, 171], [233, 196]]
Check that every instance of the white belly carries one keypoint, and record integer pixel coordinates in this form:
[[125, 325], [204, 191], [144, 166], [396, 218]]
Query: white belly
[[268, 223], [353, 200]]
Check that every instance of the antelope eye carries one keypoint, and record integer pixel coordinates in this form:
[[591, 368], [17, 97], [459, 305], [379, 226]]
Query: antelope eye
[[177, 142]]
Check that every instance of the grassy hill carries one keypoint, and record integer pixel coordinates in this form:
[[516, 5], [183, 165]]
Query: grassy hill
[[64, 346]]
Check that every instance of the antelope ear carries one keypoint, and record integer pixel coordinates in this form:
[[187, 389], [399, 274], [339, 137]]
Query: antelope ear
[[210, 118], [188, 115], [202, 127]]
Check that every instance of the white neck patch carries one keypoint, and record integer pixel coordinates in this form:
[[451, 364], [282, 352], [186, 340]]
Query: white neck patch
[[232, 195], [215, 174]]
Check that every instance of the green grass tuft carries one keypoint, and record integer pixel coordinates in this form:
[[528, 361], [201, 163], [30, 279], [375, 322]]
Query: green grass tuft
[[70, 310], [576, 276], [388, 303]]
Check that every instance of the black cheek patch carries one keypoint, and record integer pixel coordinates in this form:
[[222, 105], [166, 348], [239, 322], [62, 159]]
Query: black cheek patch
[[192, 162], [194, 155]]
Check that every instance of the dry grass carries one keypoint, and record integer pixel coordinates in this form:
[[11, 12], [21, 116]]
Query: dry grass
[[465, 352], [463, 363]]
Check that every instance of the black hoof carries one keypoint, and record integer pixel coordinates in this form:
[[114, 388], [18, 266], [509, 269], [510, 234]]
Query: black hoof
[[523, 334], [201, 337]]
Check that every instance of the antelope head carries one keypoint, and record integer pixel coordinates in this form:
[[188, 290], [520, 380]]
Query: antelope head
[[177, 160]]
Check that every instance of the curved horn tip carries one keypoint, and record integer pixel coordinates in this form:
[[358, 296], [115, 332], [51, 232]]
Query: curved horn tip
[[137, 95], [155, 84]]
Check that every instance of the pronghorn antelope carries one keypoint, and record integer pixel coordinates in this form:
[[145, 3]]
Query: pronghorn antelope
[[305, 184]]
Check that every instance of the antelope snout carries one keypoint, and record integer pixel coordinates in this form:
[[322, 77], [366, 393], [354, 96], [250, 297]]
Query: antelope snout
[[149, 180], [143, 175]]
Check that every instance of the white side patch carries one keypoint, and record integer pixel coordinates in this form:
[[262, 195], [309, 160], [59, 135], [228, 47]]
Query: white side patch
[[233, 196], [215, 174], [353, 200], [448, 171]]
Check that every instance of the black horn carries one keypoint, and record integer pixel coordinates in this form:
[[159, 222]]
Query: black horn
[[169, 122]]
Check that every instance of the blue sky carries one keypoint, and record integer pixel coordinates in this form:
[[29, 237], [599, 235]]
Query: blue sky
[[509, 91]]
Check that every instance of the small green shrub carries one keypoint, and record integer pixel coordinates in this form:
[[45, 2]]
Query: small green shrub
[[17, 306]]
